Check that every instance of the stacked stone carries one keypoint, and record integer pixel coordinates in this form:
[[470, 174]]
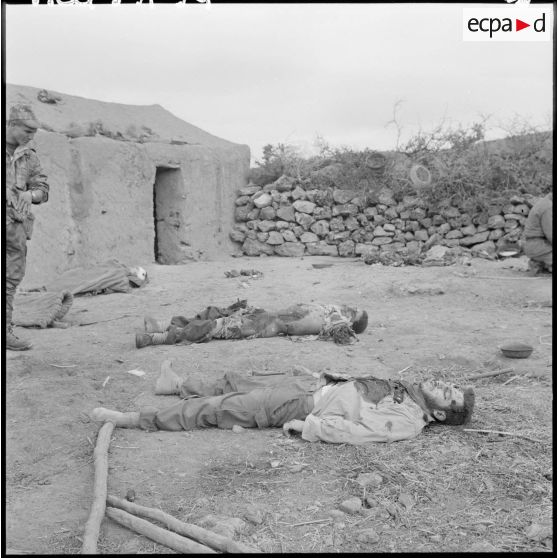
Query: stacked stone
[[286, 219]]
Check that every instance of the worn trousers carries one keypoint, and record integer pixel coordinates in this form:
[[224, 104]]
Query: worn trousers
[[250, 402], [16, 254]]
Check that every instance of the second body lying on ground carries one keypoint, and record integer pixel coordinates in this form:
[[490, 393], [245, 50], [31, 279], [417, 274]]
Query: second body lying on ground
[[336, 408], [239, 321]]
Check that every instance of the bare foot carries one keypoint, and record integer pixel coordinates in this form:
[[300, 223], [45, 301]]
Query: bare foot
[[168, 383], [123, 420]]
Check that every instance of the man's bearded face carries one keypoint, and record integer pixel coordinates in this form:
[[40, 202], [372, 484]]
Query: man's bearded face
[[442, 395]]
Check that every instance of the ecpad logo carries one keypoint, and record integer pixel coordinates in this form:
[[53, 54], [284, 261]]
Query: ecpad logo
[[509, 23]]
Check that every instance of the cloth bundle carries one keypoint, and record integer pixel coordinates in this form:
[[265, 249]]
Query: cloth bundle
[[42, 309]]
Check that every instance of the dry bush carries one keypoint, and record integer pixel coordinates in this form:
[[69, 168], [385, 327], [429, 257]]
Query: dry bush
[[464, 168]]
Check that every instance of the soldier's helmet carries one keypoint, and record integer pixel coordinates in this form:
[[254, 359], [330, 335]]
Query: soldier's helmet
[[24, 114]]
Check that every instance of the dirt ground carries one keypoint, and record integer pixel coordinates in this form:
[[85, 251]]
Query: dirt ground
[[447, 490]]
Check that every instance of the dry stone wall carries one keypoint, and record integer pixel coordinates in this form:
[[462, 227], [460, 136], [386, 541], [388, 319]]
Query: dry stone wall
[[286, 218]]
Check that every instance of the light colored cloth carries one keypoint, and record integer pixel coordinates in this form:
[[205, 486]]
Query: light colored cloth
[[107, 277], [41, 309], [342, 416]]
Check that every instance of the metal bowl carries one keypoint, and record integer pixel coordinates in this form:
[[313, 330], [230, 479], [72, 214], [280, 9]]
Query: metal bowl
[[516, 350]]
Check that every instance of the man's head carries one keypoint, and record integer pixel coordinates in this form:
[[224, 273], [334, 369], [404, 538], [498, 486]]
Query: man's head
[[22, 125], [360, 321], [448, 403]]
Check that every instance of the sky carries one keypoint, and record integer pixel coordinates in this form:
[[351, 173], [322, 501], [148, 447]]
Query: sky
[[285, 73]]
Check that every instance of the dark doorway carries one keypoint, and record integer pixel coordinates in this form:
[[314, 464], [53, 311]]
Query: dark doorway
[[168, 204]]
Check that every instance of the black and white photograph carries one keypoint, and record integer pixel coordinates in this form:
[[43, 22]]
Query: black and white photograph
[[278, 277]]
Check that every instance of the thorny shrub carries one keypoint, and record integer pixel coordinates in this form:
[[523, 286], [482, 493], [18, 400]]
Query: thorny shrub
[[464, 168]]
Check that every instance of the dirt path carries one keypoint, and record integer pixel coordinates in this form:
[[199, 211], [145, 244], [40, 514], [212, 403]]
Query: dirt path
[[51, 389]]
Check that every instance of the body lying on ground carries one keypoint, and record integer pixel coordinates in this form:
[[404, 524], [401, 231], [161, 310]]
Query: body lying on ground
[[538, 233], [335, 408], [240, 321]]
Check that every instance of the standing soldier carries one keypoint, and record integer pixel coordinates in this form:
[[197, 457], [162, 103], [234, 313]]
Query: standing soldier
[[25, 185]]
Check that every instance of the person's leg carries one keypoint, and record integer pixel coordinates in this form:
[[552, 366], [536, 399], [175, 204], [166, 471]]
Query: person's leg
[[152, 325], [259, 408], [16, 253]]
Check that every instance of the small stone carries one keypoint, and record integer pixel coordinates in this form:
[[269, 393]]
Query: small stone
[[321, 228], [254, 515], [131, 495], [346, 248], [304, 206], [289, 236], [352, 505], [343, 196], [421, 235], [406, 500], [248, 190], [469, 230], [266, 226], [538, 531], [242, 200], [368, 536], [298, 193], [275, 238], [436, 253], [285, 213], [289, 249], [237, 236], [370, 479], [379, 231], [237, 429], [267, 213], [337, 514], [308, 237], [262, 200], [304, 220], [475, 239]]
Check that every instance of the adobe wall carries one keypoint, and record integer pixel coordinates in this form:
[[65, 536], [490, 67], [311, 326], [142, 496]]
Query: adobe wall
[[101, 202]]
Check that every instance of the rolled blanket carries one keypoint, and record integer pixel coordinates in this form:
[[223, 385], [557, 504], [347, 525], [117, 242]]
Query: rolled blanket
[[41, 309]]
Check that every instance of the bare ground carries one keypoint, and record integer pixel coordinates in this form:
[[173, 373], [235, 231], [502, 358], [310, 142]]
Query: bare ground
[[448, 490]]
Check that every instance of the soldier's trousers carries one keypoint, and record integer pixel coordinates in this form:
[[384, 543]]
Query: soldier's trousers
[[539, 250], [14, 270], [263, 402]]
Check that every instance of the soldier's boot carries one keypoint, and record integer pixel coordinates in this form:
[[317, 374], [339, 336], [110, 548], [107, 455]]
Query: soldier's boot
[[152, 325], [146, 339], [168, 383], [14, 343]]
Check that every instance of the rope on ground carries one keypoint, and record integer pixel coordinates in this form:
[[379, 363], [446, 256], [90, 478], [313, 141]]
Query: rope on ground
[[93, 525]]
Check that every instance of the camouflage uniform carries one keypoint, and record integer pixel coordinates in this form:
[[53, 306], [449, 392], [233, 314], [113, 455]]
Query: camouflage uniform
[[23, 173]]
